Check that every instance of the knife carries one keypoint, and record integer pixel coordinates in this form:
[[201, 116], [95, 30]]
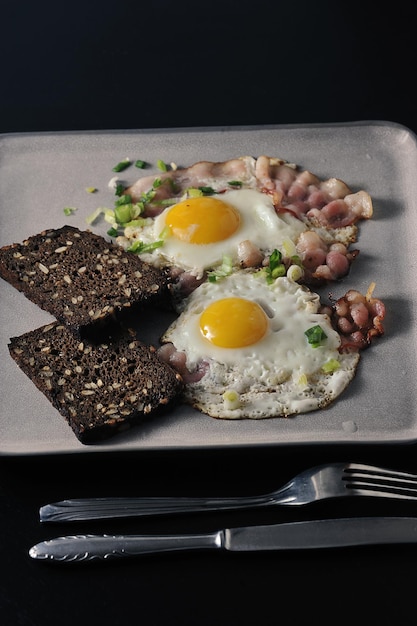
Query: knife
[[323, 533]]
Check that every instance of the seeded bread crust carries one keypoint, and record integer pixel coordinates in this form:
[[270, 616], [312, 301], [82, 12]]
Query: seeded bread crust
[[80, 278], [100, 388]]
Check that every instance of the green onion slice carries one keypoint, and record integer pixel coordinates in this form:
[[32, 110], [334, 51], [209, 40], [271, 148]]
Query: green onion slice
[[139, 247], [122, 165], [194, 192], [315, 336], [119, 189], [207, 191], [123, 213], [161, 165], [330, 366], [125, 199], [275, 268], [69, 210], [224, 270], [90, 219]]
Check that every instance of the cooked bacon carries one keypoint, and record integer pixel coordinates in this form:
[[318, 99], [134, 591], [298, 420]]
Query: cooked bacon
[[312, 250], [327, 205], [360, 204], [338, 263], [177, 360], [273, 174], [323, 262], [202, 174], [249, 255], [358, 318], [334, 188], [185, 282], [343, 212]]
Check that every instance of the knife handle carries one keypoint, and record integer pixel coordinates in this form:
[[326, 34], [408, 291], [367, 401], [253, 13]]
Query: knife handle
[[106, 547]]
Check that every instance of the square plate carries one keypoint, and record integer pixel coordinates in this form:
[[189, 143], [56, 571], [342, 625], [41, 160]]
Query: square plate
[[40, 174]]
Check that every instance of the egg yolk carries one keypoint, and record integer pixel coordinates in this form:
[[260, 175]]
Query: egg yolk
[[233, 323], [202, 220]]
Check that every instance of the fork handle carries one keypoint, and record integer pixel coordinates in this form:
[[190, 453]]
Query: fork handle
[[112, 508]]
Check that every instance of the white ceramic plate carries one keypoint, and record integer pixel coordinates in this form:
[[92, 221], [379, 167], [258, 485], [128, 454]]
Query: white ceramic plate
[[40, 174]]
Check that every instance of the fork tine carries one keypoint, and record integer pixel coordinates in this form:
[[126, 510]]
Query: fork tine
[[373, 470], [379, 481]]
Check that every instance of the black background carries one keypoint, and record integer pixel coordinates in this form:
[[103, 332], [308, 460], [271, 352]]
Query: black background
[[135, 64], [101, 65]]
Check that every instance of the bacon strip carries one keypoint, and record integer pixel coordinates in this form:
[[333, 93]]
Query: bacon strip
[[328, 203], [201, 174], [320, 204], [178, 360], [358, 319]]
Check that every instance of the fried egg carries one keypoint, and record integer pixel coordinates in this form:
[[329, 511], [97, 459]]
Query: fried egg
[[196, 233], [252, 341]]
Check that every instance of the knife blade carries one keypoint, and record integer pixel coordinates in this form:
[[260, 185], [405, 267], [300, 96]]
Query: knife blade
[[312, 534]]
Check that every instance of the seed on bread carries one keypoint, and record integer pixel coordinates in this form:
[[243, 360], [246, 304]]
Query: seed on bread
[[80, 278], [100, 388]]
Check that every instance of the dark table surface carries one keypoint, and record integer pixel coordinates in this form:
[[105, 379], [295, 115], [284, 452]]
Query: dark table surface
[[161, 64]]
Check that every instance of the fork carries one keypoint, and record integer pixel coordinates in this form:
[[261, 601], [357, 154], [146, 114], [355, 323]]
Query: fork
[[333, 480]]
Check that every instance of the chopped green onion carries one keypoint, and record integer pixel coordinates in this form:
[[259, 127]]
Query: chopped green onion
[[296, 260], [161, 165], [140, 164], [275, 258], [93, 216], [148, 196], [294, 273], [331, 366], [125, 199], [91, 189], [119, 189], [288, 248], [278, 271], [109, 217], [138, 222], [139, 247], [207, 191], [137, 209], [166, 232], [275, 268], [315, 336], [122, 165], [302, 381], [235, 183], [123, 213], [224, 270], [69, 210], [231, 399], [113, 232], [125, 210], [193, 192], [167, 201]]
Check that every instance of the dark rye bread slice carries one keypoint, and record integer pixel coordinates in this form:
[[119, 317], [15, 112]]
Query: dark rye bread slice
[[80, 278], [100, 388]]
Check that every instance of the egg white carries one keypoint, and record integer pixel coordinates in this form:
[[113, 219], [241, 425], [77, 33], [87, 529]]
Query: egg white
[[259, 224], [279, 375]]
